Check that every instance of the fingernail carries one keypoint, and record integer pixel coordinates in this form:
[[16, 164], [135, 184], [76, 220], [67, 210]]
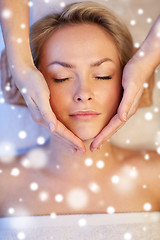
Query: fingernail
[[92, 148], [125, 116], [75, 149], [51, 127], [100, 146], [80, 150], [72, 150]]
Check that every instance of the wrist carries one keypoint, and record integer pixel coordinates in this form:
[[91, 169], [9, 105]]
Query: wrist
[[21, 63], [149, 52], [146, 59]]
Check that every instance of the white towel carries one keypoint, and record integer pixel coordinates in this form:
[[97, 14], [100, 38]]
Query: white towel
[[119, 226]]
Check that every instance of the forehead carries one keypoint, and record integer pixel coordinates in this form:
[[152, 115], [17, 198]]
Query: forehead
[[80, 40]]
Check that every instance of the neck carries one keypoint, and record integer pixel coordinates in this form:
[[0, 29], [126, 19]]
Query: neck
[[62, 156]]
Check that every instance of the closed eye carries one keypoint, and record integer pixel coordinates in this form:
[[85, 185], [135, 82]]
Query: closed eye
[[104, 77], [60, 79]]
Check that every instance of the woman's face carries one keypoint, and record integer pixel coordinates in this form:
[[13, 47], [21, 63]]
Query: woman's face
[[81, 66]]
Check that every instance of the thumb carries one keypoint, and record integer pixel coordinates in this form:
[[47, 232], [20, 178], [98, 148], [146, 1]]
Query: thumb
[[127, 101], [48, 116]]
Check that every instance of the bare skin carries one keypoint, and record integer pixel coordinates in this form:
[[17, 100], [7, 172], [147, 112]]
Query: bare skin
[[138, 184], [127, 182]]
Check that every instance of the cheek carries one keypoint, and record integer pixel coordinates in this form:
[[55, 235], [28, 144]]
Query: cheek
[[111, 98], [58, 101], [114, 92], [55, 98]]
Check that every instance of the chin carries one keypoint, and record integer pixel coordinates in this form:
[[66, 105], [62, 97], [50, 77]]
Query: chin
[[86, 134]]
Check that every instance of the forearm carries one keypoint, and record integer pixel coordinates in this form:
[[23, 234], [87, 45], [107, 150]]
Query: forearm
[[16, 33], [149, 52]]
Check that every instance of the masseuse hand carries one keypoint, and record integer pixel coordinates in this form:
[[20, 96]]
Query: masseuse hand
[[34, 89], [15, 22], [132, 81], [37, 99], [136, 72]]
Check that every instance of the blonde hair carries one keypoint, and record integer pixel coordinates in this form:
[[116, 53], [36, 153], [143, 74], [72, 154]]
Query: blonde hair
[[77, 13]]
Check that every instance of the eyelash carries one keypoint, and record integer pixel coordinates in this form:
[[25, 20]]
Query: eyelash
[[60, 80], [64, 79], [105, 78]]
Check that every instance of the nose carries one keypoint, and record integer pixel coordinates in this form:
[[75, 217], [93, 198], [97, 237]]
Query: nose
[[83, 95]]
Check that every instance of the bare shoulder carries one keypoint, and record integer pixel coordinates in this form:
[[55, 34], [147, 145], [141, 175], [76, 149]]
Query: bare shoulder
[[153, 172], [147, 165]]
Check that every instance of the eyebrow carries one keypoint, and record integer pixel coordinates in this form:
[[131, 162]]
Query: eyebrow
[[67, 65]]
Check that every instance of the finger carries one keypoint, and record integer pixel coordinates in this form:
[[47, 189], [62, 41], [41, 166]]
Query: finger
[[131, 94], [46, 113], [113, 126], [67, 136], [34, 110], [4, 72], [10, 93], [135, 104], [62, 132]]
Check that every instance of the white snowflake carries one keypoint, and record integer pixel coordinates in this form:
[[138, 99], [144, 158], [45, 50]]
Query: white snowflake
[[140, 11], [30, 4], [156, 109], [110, 210], [107, 154], [145, 85], [24, 90], [137, 45], [148, 116], [82, 222], [62, 4], [146, 156], [19, 40], [141, 53], [115, 179], [2, 100], [158, 150], [53, 215], [59, 197], [133, 22], [23, 26], [94, 187], [127, 236], [149, 20], [36, 158], [34, 186], [21, 236], [158, 84], [44, 196], [40, 140], [6, 13], [22, 134], [100, 164], [11, 210], [7, 152], [88, 162], [77, 198], [147, 206], [15, 172], [128, 141]]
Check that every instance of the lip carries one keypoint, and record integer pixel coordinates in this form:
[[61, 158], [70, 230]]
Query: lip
[[84, 115]]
